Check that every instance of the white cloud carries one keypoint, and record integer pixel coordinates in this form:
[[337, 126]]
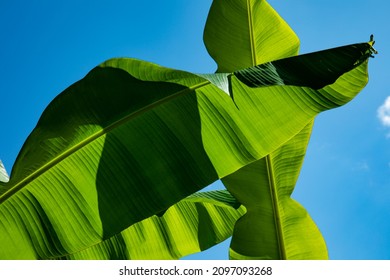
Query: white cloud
[[384, 112], [3, 173]]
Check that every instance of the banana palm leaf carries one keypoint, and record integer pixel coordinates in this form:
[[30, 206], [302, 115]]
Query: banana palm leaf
[[121, 145], [244, 33], [275, 226], [196, 223], [132, 139], [261, 186]]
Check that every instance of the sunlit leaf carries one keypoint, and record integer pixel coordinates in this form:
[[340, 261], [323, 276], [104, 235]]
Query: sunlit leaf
[[114, 155], [194, 224]]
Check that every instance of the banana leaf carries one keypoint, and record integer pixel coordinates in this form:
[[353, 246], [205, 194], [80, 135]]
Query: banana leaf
[[274, 226], [132, 139], [243, 33], [267, 230], [196, 223]]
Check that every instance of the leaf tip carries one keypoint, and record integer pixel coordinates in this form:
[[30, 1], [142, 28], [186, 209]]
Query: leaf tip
[[372, 43]]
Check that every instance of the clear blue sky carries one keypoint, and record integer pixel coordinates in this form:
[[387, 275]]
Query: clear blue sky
[[345, 181]]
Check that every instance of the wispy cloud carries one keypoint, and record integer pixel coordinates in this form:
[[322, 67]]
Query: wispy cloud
[[3, 173], [384, 112]]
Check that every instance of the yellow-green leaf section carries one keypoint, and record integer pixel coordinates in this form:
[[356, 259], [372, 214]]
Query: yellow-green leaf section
[[275, 226], [194, 224], [244, 33]]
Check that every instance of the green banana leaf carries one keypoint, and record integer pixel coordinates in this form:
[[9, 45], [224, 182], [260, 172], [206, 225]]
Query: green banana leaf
[[275, 226], [235, 46], [132, 139], [291, 234], [243, 33], [194, 224]]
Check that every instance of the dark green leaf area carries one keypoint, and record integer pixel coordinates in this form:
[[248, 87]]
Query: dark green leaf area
[[136, 138], [314, 70], [75, 117]]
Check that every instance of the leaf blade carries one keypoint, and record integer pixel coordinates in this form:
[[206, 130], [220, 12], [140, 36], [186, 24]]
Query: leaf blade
[[278, 227], [244, 33], [190, 226], [314, 70], [90, 195]]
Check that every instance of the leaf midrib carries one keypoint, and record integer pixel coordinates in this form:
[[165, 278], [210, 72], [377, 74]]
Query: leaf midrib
[[275, 207], [32, 176], [251, 34], [268, 159]]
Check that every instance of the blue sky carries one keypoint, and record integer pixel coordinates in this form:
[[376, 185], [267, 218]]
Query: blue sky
[[345, 181]]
